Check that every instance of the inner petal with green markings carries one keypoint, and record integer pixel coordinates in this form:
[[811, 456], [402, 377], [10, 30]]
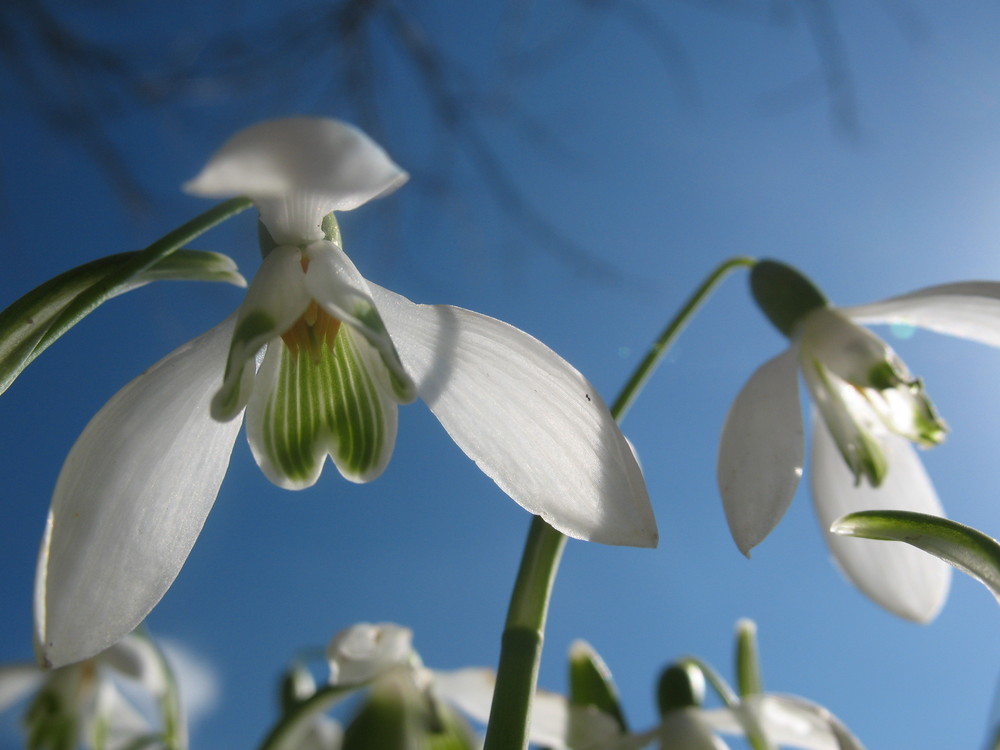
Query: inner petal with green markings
[[321, 390], [330, 379]]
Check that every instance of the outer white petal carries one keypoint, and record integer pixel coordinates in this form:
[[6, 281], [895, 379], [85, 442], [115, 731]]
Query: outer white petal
[[527, 418], [553, 724], [136, 657], [297, 170], [786, 722], [323, 734], [686, 729], [17, 681], [904, 580], [796, 722], [761, 451], [117, 719], [969, 310], [130, 502]]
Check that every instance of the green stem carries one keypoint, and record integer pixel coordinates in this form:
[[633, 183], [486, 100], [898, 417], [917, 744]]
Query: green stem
[[151, 255], [524, 631], [645, 369]]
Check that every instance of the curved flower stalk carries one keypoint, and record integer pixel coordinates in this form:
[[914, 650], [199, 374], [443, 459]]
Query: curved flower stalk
[[83, 704], [336, 356], [868, 411]]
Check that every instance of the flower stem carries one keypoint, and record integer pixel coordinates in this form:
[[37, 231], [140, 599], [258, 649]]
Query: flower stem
[[169, 243], [524, 630], [645, 369]]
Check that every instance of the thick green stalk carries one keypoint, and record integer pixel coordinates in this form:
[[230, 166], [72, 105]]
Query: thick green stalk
[[521, 643]]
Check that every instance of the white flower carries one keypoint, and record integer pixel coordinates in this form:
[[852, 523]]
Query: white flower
[[339, 354], [371, 655], [870, 409], [83, 704], [785, 721]]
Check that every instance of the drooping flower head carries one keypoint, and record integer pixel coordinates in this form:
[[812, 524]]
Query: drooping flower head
[[870, 411], [330, 380], [85, 705], [336, 355], [861, 387]]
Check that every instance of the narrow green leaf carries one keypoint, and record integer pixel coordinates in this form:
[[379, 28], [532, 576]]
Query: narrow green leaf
[[36, 320], [964, 547], [296, 720], [590, 683], [748, 679]]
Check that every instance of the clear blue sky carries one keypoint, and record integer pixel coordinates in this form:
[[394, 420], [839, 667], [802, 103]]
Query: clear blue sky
[[656, 151]]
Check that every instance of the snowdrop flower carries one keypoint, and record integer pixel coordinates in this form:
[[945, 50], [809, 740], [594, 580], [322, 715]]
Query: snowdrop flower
[[339, 354], [378, 654], [868, 411], [785, 721], [83, 704]]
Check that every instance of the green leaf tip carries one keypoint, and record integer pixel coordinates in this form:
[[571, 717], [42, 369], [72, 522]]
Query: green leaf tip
[[783, 294], [39, 318], [748, 677], [961, 546], [681, 685], [590, 683]]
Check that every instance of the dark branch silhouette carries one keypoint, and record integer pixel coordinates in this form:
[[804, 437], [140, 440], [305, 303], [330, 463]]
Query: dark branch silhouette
[[351, 54]]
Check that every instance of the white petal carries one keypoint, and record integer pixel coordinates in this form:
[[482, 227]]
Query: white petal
[[529, 420], [17, 681], [904, 580], [761, 451], [130, 501], [686, 729], [340, 289], [969, 310], [137, 658], [796, 722], [297, 170], [323, 733], [365, 651], [277, 297], [553, 724], [470, 690], [334, 401], [116, 719]]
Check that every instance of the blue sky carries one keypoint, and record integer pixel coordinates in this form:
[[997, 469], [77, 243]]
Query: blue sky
[[653, 171]]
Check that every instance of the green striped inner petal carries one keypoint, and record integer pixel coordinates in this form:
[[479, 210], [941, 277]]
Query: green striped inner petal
[[325, 400]]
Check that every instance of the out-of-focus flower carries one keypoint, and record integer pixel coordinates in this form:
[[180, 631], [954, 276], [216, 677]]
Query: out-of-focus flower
[[870, 410], [339, 354], [771, 720], [84, 705]]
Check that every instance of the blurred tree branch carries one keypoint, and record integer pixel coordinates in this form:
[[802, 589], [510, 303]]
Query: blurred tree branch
[[346, 53]]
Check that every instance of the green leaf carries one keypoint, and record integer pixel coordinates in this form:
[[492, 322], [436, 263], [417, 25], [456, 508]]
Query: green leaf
[[295, 722], [964, 547], [590, 683], [44, 314], [391, 719], [40, 317], [748, 679], [681, 686]]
